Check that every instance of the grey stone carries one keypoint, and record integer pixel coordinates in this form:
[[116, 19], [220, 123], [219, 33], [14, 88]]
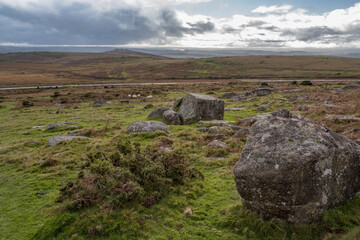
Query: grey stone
[[57, 139], [296, 170], [263, 107], [197, 106], [262, 92], [351, 87], [57, 125], [177, 104], [204, 130], [229, 95], [99, 103], [301, 97], [79, 133], [238, 98], [241, 133], [217, 144], [284, 113], [235, 109], [147, 106], [147, 126], [215, 122], [158, 112], [214, 129], [348, 118], [171, 117]]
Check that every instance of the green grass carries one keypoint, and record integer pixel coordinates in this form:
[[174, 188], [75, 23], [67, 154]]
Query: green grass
[[28, 168]]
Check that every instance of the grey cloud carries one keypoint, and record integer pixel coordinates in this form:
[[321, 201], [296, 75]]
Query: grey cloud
[[311, 34], [78, 24]]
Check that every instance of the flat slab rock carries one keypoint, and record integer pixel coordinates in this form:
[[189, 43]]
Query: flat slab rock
[[57, 139], [295, 170], [147, 126], [342, 117], [215, 122]]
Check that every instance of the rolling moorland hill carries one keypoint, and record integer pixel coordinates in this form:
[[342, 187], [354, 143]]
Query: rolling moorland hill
[[52, 68]]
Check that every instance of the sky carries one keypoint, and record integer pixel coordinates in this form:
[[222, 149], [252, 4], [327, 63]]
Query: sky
[[182, 23]]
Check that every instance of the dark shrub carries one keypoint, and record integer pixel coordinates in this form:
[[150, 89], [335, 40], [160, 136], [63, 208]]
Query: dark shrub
[[125, 174], [306, 83]]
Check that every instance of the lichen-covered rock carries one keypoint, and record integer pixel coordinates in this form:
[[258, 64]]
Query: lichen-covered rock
[[197, 106], [158, 112], [284, 113], [241, 133], [147, 126], [171, 117], [99, 103], [57, 139], [295, 170], [262, 92], [217, 144]]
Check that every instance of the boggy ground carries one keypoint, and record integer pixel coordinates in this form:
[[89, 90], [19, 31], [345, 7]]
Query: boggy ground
[[32, 174]]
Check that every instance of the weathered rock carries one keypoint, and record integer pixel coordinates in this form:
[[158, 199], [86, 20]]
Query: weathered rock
[[292, 90], [295, 170], [214, 129], [197, 106], [229, 95], [99, 103], [263, 107], [235, 109], [348, 118], [217, 144], [238, 98], [241, 133], [301, 97], [57, 125], [284, 113], [351, 87], [204, 130], [57, 139], [262, 92], [177, 104], [304, 107], [147, 126], [248, 121], [214, 122], [79, 133], [171, 117], [158, 112]]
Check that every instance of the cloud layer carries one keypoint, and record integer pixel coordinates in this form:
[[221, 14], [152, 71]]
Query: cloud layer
[[157, 22]]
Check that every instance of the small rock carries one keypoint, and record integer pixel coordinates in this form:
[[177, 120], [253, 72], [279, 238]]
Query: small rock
[[351, 87], [214, 130], [79, 133], [241, 133], [342, 118], [165, 149], [99, 103], [57, 139], [284, 113], [263, 107], [217, 144], [125, 101], [235, 109], [130, 106], [188, 211], [248, 121], [147, 126], [262, 92], [214, 122], [204, 130], [229, 95], [237, 98], [148, 106], [149, 97], [159, 112], [171, 117]]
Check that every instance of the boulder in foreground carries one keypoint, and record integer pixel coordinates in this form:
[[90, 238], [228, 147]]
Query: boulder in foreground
[[197, 106], [295, 170], [147, 126]]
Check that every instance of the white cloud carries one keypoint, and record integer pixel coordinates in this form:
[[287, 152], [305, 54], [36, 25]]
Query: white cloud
[[275, 9]]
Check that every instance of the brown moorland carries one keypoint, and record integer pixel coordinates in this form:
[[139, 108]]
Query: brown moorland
[[123, 66]]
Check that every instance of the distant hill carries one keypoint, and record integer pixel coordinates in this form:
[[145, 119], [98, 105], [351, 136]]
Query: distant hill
[[123, 65]]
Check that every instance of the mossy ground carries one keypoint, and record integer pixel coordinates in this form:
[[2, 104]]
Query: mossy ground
[[31, 173]]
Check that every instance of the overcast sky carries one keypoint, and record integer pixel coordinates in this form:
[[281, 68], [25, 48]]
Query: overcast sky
[[182, 23]]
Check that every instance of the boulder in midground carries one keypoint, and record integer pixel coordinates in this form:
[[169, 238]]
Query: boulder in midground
[[197, 106], [295, 170]]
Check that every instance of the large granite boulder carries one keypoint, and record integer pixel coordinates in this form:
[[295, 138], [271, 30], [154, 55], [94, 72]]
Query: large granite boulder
[[147, 126], [171, 117], [295, 170], [158, 112], [197, 106]]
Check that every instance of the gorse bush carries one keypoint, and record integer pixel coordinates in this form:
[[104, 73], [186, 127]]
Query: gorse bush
[[126, 173]]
